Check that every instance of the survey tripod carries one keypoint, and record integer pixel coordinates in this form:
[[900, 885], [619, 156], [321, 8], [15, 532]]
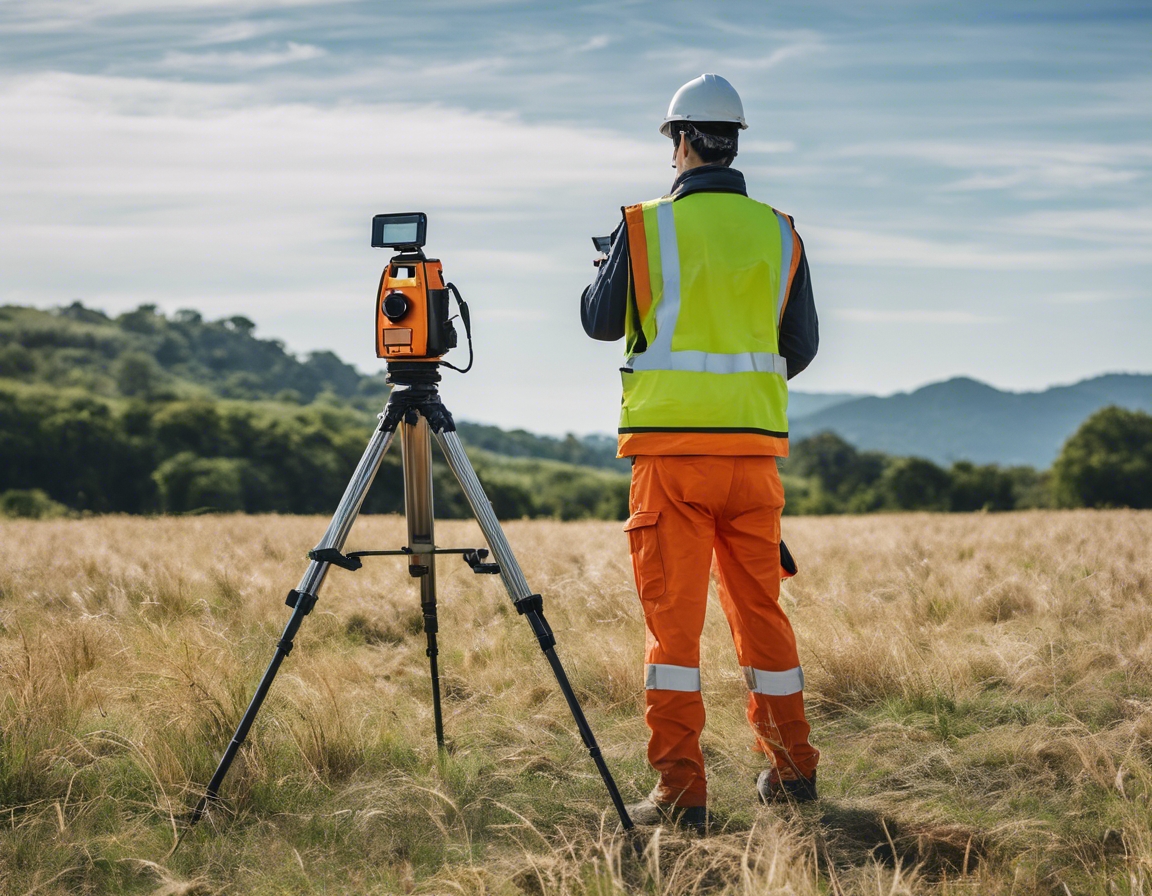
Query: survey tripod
[[414, 408]]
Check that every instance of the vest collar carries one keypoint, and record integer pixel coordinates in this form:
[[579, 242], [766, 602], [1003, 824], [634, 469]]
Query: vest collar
[[708, 179]]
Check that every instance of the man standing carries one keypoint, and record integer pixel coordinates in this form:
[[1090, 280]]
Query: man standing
[[711, 290]]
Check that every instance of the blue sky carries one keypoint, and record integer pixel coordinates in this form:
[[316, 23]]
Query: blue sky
[[972, 181]]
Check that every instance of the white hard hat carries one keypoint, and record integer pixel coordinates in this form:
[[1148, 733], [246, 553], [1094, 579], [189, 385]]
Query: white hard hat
[[707, 98]]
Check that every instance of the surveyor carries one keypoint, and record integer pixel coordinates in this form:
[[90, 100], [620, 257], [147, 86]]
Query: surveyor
[[711, 291]]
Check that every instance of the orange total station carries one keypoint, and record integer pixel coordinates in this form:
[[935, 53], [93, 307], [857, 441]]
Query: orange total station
[[412, 316]]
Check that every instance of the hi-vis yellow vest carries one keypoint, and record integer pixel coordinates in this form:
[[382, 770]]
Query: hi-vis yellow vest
[[710, 275]]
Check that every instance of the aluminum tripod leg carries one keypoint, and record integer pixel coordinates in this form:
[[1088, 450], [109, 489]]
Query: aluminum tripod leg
[[416, 445], [304, 598], [527, 603]]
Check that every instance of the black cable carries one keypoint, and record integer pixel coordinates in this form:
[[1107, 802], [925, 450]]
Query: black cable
[[467, 319]]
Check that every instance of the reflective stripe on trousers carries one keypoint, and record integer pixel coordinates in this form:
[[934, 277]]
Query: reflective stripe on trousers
[[778, 684], [663, 677], [666, 677]]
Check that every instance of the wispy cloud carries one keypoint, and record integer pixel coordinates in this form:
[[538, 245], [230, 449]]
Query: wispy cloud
[[767, 146], [235, 32], [1090, 296], [46, 16], [694, 58], [516, 314], [914, 316], [597, 42], [242, 60], [1051, 166], [1111, 226], [875, 248]]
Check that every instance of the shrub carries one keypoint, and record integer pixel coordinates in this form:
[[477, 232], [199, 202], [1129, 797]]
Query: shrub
[[1107, 462], [31, 504], [981, 488], [187, 482], [912, 483]]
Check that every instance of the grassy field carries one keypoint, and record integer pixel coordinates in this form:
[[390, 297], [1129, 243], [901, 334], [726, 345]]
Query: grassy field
[[980, 686]]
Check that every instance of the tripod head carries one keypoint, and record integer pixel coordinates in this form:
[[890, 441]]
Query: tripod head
[[413, 316], [420, 375]]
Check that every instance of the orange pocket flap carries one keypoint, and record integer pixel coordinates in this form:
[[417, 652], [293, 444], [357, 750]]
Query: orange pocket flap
[[642, 519]]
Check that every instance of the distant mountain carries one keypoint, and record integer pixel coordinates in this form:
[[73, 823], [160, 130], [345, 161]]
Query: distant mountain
[[963, 419], [801, 404]]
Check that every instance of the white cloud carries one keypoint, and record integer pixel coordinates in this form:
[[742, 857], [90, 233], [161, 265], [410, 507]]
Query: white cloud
[[767, 146], [516, 314], [597, 42], [1112, 226], [235, 32], [1048, 167], [1089, 296], [55, 16], [914, 316], [241, 60], [168, 141], [511, 260], [779, 56], [877, 248], [700, 59]]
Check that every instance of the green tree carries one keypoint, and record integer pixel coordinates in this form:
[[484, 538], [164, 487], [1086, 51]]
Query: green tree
[[846, 479], [1107, 462], [981, 488], [912, 483], [145, 319], [136, 374], [16, 361], [187, 482]]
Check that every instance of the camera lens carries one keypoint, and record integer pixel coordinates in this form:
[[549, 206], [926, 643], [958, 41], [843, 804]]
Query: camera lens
[[395, 306]]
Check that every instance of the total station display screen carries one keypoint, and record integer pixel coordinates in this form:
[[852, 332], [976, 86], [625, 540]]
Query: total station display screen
[[399, 231]]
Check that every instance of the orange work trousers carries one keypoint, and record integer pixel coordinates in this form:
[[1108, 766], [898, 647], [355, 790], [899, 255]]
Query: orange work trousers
[[685, 509]]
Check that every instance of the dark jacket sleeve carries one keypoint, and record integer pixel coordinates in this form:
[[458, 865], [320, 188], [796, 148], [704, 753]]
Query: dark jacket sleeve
[[605, 302], [799, 329]]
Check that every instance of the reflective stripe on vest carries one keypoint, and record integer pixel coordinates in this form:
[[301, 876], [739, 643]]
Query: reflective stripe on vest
[[659, 354], [710, 275]]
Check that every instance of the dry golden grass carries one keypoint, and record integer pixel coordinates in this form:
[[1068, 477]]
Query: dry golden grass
[[981, 688]]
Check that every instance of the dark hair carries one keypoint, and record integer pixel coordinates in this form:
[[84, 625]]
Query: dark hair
[[716, 142]]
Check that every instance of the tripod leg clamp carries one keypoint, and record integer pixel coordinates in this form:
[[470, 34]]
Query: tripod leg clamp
[[532, 606], [333, 556], [301, 599], [475, 559]]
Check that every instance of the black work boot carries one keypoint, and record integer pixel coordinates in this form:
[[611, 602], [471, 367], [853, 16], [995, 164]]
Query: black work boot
[[785, 786], [649, 813]]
